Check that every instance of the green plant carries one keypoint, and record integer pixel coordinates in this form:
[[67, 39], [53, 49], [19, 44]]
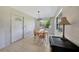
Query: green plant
[[47, 24]]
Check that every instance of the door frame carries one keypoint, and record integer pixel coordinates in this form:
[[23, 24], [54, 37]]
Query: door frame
[[11, 15]]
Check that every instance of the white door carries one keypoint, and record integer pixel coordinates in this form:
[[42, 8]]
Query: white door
[[17, 28]]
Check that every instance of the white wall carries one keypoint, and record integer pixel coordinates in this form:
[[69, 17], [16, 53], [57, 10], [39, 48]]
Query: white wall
[[37, 24], [72, 31], [4, 27], [5, 18], [29, 26]]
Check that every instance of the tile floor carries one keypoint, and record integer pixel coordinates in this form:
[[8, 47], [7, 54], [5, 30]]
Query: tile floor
[[26, 45]]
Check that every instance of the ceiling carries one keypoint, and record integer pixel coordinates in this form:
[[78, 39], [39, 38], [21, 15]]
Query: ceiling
[[45, 11]]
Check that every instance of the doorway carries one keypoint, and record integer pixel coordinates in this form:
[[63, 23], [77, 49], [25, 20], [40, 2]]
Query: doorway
[[17, 28]]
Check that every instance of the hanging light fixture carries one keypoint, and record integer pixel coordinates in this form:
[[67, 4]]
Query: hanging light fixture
[[39, 15]]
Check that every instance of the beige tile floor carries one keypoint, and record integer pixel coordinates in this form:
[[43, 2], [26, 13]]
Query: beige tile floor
[[26, 45]]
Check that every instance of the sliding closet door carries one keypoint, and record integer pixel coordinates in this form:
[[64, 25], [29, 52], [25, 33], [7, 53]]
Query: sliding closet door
[[17, 28]]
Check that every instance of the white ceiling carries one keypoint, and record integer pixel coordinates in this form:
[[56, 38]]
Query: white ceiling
[[45, 11]]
